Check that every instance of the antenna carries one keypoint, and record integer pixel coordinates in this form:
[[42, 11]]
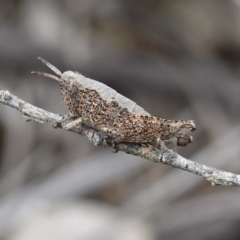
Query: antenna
[[47, 75]]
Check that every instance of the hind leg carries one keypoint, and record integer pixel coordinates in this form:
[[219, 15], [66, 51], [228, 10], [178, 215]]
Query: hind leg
[[115, 135]]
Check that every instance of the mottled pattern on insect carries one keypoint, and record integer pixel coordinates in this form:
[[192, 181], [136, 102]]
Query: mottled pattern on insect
[[119, 117]]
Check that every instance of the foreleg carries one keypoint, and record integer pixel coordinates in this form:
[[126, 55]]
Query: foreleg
[[71, 125]]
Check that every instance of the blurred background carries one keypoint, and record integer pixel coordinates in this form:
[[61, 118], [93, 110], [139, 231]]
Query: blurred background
[[176, 59]]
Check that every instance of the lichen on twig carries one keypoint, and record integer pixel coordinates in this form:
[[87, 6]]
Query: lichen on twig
[[98, 138]]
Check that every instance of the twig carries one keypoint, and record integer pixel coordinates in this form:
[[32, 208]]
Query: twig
[[162, 155]]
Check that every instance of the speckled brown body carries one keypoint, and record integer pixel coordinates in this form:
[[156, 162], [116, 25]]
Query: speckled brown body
[[112, 113], [119, 123]]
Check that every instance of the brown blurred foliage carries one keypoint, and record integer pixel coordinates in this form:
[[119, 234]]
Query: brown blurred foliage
[[177, 59]]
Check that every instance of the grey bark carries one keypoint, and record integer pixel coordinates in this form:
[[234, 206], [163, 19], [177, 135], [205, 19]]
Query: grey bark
[[162, 155]]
